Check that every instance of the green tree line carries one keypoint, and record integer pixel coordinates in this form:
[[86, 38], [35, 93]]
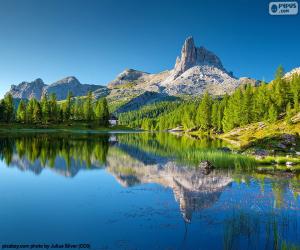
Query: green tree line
[[248, 104], [49, 110]]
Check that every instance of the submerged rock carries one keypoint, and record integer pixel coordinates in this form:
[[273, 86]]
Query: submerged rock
[[206, 167], [290, 163], [225, 149], [288, 139]]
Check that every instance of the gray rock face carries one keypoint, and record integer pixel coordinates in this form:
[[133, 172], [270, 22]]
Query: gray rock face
[[37, 88], [192, 56], [295, 71], [62, 87], [196, 70], [28, 90], [127, 76]]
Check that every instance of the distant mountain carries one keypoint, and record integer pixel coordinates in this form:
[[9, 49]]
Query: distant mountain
[[197, 70], [37, 88], [289, 74], [27, 90], [63, 86]]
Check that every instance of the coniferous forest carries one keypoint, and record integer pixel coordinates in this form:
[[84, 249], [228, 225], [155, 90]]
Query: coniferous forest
[[49, 111], [267, 102]]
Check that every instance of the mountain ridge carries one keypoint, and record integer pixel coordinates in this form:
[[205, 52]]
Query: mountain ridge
[[196, 70], [37, 88]]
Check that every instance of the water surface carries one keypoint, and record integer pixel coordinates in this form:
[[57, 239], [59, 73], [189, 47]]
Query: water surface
[[141, 191]]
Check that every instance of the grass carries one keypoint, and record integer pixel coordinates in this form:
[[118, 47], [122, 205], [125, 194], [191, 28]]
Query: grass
[[244, 136], [278, 160], [219, 159], [74, 126]]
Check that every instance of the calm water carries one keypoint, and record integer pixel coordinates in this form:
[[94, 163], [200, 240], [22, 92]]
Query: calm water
[[140, 191]]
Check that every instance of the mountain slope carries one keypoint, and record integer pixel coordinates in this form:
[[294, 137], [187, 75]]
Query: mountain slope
[[62, 87], [27, 90], [37, 88], [197, 70]]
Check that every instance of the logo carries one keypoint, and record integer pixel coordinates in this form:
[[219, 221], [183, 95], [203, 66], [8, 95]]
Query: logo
[[283, 8]]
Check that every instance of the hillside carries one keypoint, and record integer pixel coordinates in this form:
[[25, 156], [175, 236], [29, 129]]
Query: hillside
[[266, 135], [196, 70]]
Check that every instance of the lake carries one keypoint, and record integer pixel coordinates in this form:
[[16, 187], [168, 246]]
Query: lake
[[140, 191]]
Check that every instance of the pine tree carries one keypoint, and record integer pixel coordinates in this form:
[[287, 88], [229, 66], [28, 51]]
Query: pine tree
[[188, 118], [289, 113], [295, 90], [246, 107], [2, 110], [68, 109], [204, 112], [235, 104], [280, 92], [29, 110], [21, 112], [45, 105], [273, 114], [54, 112], [37, 112], [215, 115], [227, 122], [78, 110], [88, 107], [101, 112], [9, 108]]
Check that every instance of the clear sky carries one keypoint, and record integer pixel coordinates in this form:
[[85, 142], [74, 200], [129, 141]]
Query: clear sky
[[96, 40]]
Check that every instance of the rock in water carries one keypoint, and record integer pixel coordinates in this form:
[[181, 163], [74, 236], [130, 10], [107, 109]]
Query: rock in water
[[206, 167]]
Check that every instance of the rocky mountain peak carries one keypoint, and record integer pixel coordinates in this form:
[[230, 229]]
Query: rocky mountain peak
[[292, 72], [127, 76], [67, 80], [28, 90], [192, 56], [188, 56], [38, 81]]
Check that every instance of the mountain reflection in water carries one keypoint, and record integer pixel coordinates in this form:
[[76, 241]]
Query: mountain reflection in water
[[171, 162]]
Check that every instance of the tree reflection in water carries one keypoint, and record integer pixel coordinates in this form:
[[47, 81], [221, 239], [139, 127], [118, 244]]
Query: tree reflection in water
[[172, 162]]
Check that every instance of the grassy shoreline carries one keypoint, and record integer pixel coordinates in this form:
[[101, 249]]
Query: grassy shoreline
[[72, 127]]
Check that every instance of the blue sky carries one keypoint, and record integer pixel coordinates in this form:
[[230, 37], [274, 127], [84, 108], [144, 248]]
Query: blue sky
[[96, 40]]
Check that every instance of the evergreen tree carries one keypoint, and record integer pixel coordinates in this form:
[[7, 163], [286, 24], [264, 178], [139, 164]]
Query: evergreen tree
[[280, 91], [235, 104], [88, 107], [261, 102], [273, 114], [246, 107], [101, 112], [289, 113], [21, 112], [45, 105], [9, 108], [29, 110], [2, 110], [54, 112], [188, 118], [78, 110], [295, 91], [37, 112], [227, 122], [215, 115], [204, 112], [68, 109]]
